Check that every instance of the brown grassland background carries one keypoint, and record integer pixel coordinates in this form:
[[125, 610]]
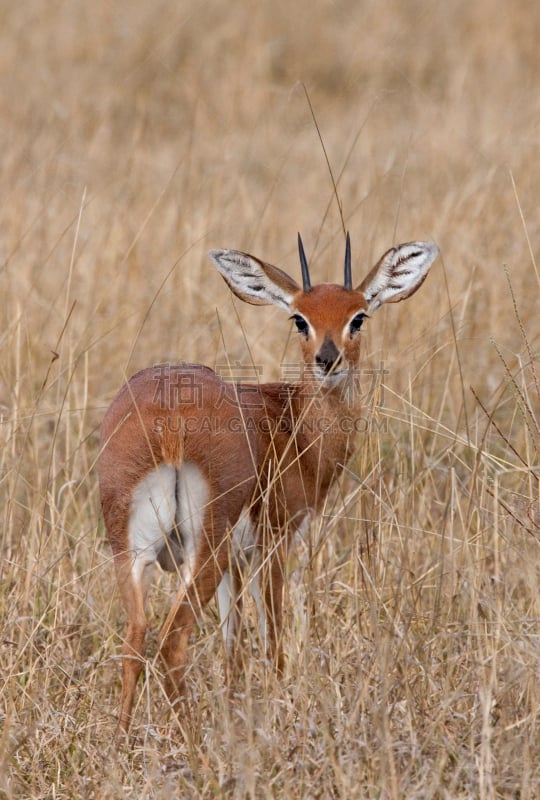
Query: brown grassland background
[[134, 137]]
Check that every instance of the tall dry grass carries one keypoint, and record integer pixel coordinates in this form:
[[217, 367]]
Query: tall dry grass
[[134, 137]]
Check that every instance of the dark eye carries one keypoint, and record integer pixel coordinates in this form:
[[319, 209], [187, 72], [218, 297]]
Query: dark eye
[[301, 324], [356, 323]]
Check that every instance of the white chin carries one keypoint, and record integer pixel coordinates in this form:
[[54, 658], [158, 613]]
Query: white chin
[[334, 378]]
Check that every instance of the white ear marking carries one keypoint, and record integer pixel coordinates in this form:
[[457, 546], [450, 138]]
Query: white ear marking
[[254, 281], [399, 273]]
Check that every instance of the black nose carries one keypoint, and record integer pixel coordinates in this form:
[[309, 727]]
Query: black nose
[[328, 356]]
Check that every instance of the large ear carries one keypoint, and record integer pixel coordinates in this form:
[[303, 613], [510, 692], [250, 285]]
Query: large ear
[[254, 281], [399, 273]]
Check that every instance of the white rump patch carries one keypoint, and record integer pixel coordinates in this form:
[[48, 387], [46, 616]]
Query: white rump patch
[[192, 501], [152, 513], [155, 512]]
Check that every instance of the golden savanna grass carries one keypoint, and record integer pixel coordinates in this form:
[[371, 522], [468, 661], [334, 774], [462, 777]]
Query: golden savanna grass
[[136, 136]]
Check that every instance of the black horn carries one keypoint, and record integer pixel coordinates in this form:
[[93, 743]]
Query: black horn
[[347, 283], [306, 282]]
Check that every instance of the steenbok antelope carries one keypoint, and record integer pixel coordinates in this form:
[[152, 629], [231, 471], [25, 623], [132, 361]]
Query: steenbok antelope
[[206, 477]]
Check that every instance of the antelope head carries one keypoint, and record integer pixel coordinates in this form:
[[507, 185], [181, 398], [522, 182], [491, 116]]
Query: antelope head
[[328, 316]]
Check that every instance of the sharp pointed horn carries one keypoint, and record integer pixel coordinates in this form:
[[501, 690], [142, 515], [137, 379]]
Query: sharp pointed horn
[[306, 282], [347, 283]]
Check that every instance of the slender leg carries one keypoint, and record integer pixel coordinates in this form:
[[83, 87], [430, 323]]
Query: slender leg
[[255, 591], [272, 573], [179, 624], [231, 606], [134, 581]]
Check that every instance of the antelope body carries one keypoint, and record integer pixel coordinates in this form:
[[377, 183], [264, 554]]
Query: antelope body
[[204, 477]]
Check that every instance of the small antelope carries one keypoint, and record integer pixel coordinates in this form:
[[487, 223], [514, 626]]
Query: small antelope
[[206, 477]]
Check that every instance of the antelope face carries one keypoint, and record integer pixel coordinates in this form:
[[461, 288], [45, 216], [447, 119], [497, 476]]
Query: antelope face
[[329, 319]]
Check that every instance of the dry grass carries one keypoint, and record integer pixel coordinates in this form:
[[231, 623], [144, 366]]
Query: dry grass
[[134, 137]]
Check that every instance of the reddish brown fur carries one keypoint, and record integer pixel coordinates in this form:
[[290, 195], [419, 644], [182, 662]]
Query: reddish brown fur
[[331, 307]]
